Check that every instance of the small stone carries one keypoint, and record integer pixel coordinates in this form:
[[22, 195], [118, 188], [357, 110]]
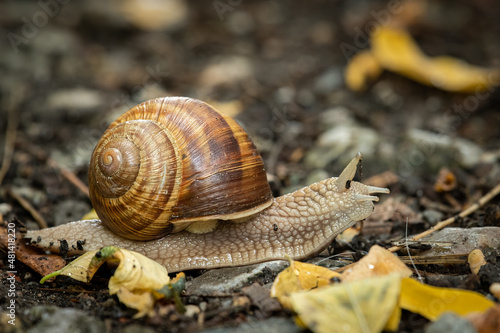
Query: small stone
[[439, 148], [329, 81], [58, 320], [461, 240], [450, 323], [155, 14], [69, 210], [240, 23], [136, 328], [222, 281], [5, 208], [261, 298], [342, 142], [226, 71], [78, 99], [274, 325], [316, 176], [432, 216]]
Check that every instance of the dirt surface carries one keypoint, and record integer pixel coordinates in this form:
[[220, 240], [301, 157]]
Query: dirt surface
[[69, 69]]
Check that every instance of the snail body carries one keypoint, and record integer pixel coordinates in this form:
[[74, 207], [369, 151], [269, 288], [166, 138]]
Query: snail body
[[229, 171]]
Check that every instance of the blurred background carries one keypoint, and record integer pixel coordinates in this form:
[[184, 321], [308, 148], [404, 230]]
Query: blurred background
[[68, 68]]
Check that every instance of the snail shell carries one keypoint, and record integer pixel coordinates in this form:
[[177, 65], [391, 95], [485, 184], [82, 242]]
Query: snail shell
[[169, 162]]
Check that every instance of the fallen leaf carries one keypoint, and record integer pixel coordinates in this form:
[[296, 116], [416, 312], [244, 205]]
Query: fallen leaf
[[300, 276], [362, 68], [92, 215], [138, 281], [446, 181], [476, 261], [487, 322], [431, 302], [394, 49], [36, 259], [359, 306], [377, 262]]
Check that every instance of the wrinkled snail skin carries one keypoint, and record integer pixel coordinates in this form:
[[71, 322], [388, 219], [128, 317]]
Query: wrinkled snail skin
[[298, 225]]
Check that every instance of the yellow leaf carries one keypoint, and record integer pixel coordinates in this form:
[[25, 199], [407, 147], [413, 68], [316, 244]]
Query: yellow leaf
[[362, 68], [92, 215], [359, 306], [78, 269], [431, 301], [377, 262], [396, 50], [138, 281], [300, 276]]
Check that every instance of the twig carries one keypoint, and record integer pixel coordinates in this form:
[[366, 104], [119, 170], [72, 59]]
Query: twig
[[487, 197], [70, 176], [67, 174], [26, 205], [10, 137]]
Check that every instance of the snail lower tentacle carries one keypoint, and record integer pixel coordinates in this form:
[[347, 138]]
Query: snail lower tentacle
[[298, 225]]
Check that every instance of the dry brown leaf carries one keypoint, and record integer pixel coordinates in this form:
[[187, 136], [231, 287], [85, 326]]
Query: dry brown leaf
[[37, 260], [445, 181], [377, 262], [487, 322]]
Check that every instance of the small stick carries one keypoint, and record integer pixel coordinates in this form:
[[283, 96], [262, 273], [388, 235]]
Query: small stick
[[70, 176], [482, 201], [67, 174], [26, 205], [10, 138]]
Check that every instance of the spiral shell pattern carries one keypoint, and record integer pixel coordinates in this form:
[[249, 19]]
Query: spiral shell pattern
[[171, 161]]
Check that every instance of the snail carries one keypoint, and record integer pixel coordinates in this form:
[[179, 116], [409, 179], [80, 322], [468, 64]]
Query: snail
[[177, 181]]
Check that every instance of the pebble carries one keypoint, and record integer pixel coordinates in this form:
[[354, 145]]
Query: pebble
[[461, 240], [240, 23], [220, 282], [271, 325], [78, 99], [61, 320], [5, 208], [136, 328], [226, 71], [450, 323], [342, 142], [432, 216], [437, 147], [154, 15], [330, 80], [69, 210]]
